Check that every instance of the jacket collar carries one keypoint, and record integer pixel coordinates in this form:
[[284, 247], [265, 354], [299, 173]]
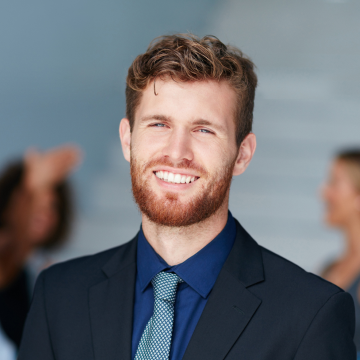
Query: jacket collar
[[228, 311], [231, 305], [125, 256], [245, 259], [111, 305]]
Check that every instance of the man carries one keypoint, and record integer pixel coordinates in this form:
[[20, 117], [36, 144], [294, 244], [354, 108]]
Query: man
[[192, 284]]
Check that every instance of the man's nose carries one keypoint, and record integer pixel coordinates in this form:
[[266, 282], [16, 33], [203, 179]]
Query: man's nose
[[178, 146]]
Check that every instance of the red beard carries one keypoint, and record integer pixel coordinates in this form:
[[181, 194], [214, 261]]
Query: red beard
[[169, 210]]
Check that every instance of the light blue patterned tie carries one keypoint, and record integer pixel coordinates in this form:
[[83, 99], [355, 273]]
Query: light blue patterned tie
[[155, 341]]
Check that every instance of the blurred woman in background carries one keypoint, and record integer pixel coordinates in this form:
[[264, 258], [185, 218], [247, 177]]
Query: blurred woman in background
[[35, 213], [342, 198]]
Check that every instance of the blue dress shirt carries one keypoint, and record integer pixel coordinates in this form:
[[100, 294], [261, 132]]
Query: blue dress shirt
[[199, 273]]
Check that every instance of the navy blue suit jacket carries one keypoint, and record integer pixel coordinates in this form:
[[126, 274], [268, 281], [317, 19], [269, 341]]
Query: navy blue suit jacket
[[262, 307]]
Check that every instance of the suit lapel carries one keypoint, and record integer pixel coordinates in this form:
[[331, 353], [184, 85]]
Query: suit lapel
[[231, 305], [111, 306], [229, 309]]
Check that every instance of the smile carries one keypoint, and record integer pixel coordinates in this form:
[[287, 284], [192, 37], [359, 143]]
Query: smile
[[175, 178]]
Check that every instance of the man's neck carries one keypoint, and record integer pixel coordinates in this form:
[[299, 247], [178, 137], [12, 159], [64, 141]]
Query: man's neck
[[177, 244]]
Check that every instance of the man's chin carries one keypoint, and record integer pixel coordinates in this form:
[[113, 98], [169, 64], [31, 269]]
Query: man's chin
[[170, 212], [180, 209], [174, 220]]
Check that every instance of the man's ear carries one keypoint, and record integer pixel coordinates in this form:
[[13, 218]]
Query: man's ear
[[245, 154], [125, 137]]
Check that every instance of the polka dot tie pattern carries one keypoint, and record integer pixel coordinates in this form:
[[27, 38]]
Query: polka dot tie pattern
[[155, 341]]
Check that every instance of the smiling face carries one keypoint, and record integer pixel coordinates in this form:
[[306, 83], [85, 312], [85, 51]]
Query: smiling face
[[182, 150]]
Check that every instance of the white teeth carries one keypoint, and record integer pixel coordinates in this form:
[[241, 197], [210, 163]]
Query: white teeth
[[174, 178], [171, 177], [177, 179]]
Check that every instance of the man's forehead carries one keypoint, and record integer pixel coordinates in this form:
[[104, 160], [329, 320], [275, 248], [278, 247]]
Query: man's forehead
[[154, 87], [202, 97]]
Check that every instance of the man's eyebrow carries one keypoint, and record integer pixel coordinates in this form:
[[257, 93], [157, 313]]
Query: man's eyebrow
[[156, 117], [201, 122], [208, 123]]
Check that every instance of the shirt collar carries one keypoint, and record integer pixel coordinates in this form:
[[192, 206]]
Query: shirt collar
[[199, 271]]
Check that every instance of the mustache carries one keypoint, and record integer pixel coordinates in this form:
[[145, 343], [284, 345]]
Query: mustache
[[183, 164]]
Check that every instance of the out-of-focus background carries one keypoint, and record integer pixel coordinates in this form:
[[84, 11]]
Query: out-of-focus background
[[62, 79]]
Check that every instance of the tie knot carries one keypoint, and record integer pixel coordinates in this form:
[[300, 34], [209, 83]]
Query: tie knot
[[165, 285]]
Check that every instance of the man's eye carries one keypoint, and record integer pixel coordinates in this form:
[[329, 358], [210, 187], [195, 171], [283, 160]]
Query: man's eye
[[205, 131], [158, 125]]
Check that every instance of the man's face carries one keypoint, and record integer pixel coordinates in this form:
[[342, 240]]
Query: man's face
[[183, 150]]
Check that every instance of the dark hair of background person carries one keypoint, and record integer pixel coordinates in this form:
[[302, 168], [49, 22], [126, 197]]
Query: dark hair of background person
[[186, 57], [11, 179], [351, 157]]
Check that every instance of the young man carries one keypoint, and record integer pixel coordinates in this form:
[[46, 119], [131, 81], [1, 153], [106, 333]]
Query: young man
[[192, 284]]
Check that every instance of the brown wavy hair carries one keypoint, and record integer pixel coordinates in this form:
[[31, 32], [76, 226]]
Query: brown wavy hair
[[11, 179], [186, 57]]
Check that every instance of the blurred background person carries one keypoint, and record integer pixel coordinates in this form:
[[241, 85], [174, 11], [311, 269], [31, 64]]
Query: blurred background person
[[342, 198], [36, 209]]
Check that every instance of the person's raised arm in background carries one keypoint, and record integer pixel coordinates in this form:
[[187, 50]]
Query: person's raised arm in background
[[35, 212]]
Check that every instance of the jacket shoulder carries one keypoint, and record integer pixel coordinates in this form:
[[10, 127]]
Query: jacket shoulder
[[282, 273], [88, 270]]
